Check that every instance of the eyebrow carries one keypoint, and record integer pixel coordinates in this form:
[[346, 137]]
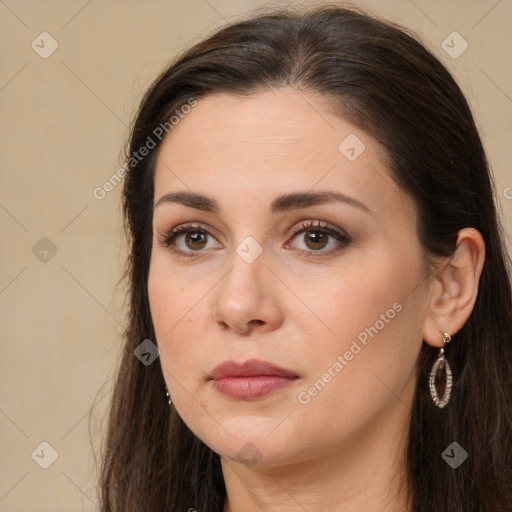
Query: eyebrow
[[281, 204]]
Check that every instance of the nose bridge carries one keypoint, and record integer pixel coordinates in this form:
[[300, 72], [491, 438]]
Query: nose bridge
[[244, 296], [245, 278], [247, 259]]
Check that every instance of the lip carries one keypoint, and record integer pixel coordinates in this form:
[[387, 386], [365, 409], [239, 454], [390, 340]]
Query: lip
[[250, 380], [250, 368]]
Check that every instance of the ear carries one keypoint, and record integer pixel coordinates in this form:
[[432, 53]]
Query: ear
[[455, 288]]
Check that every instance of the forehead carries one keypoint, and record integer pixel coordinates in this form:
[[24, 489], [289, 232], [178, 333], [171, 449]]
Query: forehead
[[274, 141]]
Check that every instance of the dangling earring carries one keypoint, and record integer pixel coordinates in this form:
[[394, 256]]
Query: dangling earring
[[441, 361], [168, 396]]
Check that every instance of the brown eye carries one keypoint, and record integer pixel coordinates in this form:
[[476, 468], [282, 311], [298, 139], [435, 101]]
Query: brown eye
[[316, 239], [189, 240], [196, 239]]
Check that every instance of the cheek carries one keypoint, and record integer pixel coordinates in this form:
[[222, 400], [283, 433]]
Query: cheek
[[370, 314], [179, 312], [347, 302], [172, 296]]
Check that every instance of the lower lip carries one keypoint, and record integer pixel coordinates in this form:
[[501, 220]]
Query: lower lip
[[251, 388]]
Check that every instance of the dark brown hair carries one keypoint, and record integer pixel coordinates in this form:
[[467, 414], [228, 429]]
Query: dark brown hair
[[378, 76]]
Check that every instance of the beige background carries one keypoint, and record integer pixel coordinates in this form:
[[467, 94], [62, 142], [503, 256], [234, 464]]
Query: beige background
[[63, 122]]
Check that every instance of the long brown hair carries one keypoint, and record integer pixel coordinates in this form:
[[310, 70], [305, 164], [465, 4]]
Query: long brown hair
[[377, 75]]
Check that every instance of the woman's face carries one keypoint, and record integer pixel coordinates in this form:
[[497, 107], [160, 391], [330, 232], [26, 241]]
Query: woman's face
[[302, 253]]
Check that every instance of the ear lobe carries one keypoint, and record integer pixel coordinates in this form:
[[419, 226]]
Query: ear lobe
[[455, 288]]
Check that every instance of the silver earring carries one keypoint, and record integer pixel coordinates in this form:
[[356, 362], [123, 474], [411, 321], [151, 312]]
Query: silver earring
[[168, 396], [441, 361]]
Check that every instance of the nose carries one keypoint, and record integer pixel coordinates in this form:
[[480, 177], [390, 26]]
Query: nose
[[247, 298]]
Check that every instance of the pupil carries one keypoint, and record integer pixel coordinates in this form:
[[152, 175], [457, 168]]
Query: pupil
[[317, 239], [195, 237]]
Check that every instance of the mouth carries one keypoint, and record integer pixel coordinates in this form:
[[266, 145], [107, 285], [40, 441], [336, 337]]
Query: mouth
[[250, 380]]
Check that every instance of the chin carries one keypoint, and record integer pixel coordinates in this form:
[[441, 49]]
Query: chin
[[253, 441]]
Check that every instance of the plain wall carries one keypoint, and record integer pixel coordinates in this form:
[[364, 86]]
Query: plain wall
[[64, 120]]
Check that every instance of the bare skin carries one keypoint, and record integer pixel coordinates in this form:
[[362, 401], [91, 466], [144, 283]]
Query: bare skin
[[301, 304]]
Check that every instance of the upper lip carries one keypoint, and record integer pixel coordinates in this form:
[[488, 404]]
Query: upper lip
[[250, 368]]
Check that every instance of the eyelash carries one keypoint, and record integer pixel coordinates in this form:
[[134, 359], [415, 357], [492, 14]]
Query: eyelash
[[167, 239]]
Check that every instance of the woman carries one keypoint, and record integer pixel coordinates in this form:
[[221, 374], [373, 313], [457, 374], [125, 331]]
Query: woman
[[316, 253]]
